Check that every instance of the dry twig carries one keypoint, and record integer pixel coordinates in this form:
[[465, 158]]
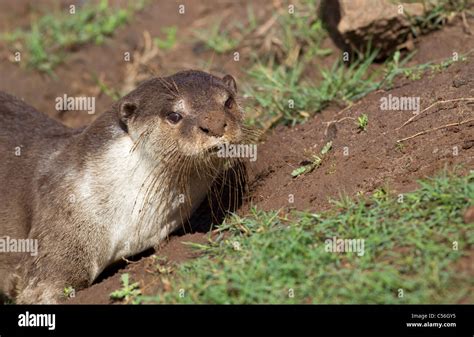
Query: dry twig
[[432, 105], [434, 129]]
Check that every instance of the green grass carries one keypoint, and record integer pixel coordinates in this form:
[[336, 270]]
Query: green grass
[[408, 245], [294, 33], [282, 95], [217, 39], [49, 39], [225, 39], [286, 97], [300, 35], [396, 67], [281, 92], [439, 12]]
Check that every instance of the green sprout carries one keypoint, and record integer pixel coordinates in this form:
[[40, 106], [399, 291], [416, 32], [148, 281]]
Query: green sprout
[[128, 291], [315, 162], [362, 122]]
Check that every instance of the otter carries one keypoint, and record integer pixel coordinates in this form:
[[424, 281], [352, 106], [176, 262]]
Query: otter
[[89, 197]]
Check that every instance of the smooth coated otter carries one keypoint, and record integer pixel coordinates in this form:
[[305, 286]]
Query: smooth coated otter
[[90, 196]]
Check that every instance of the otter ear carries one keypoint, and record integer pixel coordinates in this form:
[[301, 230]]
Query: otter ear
[[230, 82], [127, 110]]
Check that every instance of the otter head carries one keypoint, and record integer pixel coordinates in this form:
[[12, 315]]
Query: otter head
[[189, 114]]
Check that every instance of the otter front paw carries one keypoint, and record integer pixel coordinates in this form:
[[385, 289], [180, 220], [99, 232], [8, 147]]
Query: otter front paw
[[41, 293]]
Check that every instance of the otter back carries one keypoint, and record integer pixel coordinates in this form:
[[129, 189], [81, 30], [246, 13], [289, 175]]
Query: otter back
[[26, 136]]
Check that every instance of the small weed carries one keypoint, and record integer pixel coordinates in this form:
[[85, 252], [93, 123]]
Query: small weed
[[394, 67], [380, 194], [107, 90], [362, 122], [413, 74], [315, 162], [170, 38], [400, 146], [332, 169], [163, 266], [128, 291], [218, 39], [69, 292], [222, 40]]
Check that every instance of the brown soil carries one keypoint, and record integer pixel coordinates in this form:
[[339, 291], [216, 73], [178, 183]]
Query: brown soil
[[374, 160]]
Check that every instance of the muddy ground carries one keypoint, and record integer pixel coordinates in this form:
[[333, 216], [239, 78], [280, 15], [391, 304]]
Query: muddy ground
[[359, 162]]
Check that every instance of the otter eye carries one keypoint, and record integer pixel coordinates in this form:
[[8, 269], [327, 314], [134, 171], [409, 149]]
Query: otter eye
[[174, 117], [229, 103]]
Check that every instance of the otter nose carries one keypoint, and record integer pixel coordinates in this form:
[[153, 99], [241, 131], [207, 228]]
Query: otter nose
[[213, 126]]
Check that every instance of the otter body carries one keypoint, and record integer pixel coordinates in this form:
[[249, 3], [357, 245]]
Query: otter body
[[116, 188]]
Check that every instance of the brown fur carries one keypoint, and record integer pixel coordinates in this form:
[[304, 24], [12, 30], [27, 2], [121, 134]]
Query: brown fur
[[35, 187]]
